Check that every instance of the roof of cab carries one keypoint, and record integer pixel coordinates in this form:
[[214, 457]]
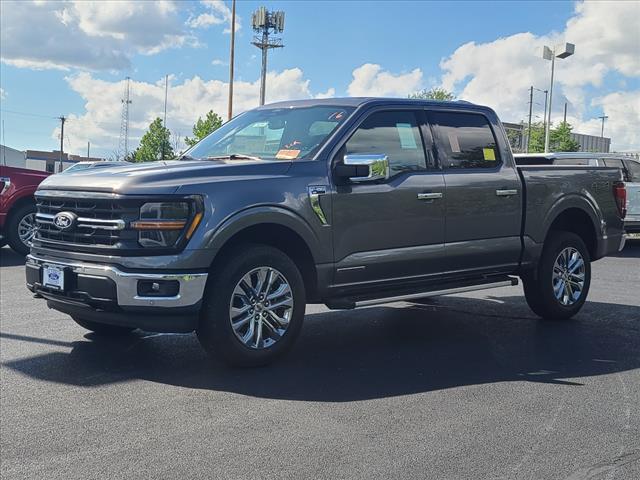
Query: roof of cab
[[361, 101]]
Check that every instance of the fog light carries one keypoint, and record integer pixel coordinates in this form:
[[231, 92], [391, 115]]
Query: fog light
[[158, 288]]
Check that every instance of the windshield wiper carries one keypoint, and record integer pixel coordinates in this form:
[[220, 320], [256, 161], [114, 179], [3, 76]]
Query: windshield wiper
[[233, 156], [187, 157]]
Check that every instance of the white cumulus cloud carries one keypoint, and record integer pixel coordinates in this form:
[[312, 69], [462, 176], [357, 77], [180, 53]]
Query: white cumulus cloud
[[216, 13], [500, 73], [92, 35], [371, 80], [193, 97]]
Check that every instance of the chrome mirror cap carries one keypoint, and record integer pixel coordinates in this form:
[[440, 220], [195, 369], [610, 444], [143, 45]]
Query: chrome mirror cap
[[378, 166]]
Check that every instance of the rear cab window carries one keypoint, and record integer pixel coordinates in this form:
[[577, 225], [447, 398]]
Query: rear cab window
[[464, 140]]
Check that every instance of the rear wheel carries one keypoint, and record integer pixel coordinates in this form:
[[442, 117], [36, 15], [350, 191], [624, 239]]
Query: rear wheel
[[558, 289], [253, 308], [103, 329], [22, 228]]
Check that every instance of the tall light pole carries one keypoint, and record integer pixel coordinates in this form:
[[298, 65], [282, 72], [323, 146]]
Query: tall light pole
[[231, 59], [603, 117], [266, 23], [559, 51], [530, 112]]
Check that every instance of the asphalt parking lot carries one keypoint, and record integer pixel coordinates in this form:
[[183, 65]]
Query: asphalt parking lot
[[465, 387]]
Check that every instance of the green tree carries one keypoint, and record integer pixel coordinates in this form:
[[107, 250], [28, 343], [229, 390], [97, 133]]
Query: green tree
[[536, 137], [560, 139], [155, 143], [202, 128], [434, 93]]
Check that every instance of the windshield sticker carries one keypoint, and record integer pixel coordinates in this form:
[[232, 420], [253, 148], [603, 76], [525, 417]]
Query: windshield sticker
[[337, 116], [489, 154], [453, 141], [287, 154]]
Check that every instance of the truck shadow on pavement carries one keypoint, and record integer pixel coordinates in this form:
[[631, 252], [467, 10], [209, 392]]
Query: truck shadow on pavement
[[370, 353], [9, 258]]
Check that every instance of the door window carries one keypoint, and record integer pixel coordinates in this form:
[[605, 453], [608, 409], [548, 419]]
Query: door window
[[394, 134], [464, 140]]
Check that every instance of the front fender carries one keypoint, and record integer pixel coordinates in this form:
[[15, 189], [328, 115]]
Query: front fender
[[252, 216]]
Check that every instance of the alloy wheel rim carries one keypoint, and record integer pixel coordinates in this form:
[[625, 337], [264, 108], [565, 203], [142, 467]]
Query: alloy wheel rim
[[261, 308], [27, 228], [568, 276]]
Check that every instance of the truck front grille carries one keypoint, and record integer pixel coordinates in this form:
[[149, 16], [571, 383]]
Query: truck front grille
[[99, 222]]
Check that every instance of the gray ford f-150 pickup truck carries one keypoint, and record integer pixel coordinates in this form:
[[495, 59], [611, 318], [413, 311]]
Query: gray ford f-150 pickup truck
[[348, 202]]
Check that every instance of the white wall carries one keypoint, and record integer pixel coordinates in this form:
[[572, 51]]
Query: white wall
[[11, 157]]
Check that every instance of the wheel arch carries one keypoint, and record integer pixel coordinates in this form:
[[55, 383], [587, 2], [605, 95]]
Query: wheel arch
[[275, 227], [578, 217]]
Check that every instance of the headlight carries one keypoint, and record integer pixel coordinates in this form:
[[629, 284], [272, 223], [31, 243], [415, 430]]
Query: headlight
[[163, 224]]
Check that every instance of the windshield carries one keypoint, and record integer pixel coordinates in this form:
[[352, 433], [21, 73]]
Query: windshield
[[76, 167], [272, 134]]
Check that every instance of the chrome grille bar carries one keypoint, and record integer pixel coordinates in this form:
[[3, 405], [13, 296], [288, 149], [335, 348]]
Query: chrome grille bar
[[83, 222]]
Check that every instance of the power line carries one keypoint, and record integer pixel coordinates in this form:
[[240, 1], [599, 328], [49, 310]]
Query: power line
[[28, 114]]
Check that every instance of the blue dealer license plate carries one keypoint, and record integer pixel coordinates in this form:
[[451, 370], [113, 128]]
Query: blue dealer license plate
[[53, 277]]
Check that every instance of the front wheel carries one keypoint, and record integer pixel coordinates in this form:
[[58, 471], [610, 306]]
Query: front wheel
[[253, 307], [558, 288]]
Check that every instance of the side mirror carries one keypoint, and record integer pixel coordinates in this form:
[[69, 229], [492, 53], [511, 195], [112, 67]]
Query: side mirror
[[364, 167]]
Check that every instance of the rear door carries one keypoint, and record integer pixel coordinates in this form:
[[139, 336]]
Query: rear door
[[394, 229], [484, 197]]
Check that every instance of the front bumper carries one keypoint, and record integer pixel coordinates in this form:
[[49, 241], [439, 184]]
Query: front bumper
[[105, 293]]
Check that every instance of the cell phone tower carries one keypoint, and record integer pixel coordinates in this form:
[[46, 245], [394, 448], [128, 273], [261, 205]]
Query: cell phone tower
[[266, 23], [123, 145]]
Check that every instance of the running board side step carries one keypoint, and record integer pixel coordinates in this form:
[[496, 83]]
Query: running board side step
[[350, 303]]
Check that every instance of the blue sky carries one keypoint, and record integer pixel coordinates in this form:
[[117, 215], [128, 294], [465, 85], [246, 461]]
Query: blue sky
[[483, 51]]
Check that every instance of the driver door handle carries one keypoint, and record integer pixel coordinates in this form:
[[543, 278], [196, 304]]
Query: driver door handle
[[430, 196]]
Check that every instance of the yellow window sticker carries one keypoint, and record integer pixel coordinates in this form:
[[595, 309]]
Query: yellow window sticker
[[489, 154], [287, 154]]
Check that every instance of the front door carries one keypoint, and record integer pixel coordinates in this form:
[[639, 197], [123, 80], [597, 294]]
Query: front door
[[393, 229]]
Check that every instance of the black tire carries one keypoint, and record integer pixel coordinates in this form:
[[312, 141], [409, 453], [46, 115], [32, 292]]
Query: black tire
[[539, 284], [103, 329], [215, 331], [13, 237]]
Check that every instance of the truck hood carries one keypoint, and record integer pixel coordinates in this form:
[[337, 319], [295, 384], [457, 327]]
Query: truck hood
[[161, 177]]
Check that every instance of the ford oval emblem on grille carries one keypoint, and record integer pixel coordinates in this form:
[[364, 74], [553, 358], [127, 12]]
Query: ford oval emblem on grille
[[65, 220]]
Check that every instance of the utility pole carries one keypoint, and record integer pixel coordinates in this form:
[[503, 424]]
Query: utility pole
[[530, 111], [603, 117], [565, 112], [88, 149], [62, 120], [231, 59], [266, 23]]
